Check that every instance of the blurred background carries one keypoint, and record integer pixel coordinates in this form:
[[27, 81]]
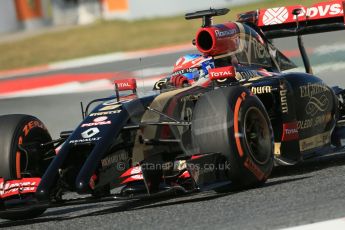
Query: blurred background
[[38, 32], [33, 14]]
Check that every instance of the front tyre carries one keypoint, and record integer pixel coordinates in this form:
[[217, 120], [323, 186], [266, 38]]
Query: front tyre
[[21, 153], [234, 122]]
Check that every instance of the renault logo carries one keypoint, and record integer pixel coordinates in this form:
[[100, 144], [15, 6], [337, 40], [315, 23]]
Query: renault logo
[[90, 132]]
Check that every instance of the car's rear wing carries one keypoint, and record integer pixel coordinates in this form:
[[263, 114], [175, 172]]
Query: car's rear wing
[[281, 21]]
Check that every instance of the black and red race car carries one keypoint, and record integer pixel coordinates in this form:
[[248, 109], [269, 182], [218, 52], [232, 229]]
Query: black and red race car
[[226, 130]]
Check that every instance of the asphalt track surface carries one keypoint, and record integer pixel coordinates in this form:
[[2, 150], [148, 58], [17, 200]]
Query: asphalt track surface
[[310, 192]]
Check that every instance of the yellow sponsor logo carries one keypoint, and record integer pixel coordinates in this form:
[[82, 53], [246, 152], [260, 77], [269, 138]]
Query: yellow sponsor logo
[[315, 141], [261, 89], [110, 107]]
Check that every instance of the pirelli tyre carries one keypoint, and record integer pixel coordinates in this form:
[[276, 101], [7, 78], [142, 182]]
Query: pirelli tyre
[[16, 131], [232, 121]]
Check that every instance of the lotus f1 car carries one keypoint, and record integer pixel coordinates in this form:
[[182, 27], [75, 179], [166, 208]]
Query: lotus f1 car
[[227, 130]]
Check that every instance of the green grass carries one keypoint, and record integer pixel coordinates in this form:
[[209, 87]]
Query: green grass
[[112, 36]]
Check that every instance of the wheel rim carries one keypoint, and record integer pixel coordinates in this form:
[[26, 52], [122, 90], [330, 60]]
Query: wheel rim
[[28, 167], [257, 136]]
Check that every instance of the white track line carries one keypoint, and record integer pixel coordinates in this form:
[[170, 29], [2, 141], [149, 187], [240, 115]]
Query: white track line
[[155, 71], [70, 87], [101, 59], [114, 57], [329, 49], [73, 87], [323, 67], [143, 80], [88, 61], [336, 224]]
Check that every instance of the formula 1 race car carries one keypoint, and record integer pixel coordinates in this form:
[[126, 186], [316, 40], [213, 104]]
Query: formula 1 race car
[[222, 131]]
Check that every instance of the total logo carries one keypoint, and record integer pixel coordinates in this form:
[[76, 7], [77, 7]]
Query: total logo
[[221, 73], [123, 84], [290, 131], [98, 121]]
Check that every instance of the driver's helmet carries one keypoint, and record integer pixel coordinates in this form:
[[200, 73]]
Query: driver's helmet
[[190, 68]]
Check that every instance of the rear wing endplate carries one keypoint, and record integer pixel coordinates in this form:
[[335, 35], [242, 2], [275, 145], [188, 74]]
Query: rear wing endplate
[[281, 22]]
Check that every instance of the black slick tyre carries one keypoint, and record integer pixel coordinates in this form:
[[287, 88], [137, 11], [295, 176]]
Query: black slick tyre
[[232, 121], [18, 130]]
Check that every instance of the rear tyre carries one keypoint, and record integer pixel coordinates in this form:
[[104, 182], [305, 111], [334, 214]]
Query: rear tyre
[[233, 122], [15, 131]]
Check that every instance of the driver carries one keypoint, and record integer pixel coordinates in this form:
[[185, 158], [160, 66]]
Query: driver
[[189, 69]]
